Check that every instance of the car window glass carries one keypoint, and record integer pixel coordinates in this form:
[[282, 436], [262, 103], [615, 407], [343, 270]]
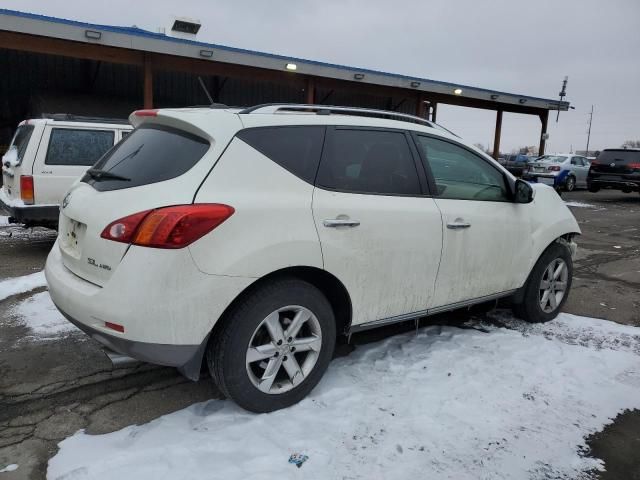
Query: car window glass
[[77, 147], [461, 174], [21, 140], [575, 161], [369, 161], [296, 148]]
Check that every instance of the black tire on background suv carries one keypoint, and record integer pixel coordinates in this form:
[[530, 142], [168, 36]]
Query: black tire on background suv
[[262, 357], [548, 285]]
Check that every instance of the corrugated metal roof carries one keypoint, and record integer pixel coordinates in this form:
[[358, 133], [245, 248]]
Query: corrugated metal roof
[[139, 39]]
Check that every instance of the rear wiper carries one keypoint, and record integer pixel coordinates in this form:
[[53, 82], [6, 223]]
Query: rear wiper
[[99, 175]]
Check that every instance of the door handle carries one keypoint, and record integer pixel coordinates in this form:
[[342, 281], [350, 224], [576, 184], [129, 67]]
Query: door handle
[[457, 225], [340, 222]]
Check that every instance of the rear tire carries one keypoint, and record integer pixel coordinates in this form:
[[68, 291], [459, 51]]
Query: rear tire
[[570, 184], [594, 189], [259, 359], [547, 287]]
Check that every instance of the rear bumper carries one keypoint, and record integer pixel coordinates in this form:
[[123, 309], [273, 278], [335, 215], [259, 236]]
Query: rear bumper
[[615, 184], [31, 214]]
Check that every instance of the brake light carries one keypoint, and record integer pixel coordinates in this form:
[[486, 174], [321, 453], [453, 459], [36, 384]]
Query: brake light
[[146, 113], [554, 168], [114, 326], [168, 227], [634, 166], [27, 193]]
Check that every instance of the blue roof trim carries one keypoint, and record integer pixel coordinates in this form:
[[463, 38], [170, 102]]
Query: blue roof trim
[[139, 32]]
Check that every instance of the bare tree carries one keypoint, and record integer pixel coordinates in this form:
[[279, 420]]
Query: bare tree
[[631, 144]]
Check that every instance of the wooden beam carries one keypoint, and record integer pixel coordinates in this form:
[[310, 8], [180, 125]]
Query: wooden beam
[[148, 83], [544, 118], [434, 111], [421, 107], [498, 133], [310, 90]]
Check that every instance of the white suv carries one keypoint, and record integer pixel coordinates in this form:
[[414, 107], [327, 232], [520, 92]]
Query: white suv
[[45, 157], [249, 239]]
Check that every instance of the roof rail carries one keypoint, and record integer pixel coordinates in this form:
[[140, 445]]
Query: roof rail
[[329, 109], [68, 117]]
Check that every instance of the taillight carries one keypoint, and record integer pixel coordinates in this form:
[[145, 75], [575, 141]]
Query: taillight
[[634, 166], [553, 168], [168, 227], [146, 113], [26, 189]]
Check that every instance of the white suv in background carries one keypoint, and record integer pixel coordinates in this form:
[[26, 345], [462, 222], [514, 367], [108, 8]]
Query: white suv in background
[[249, 239], [45, 157]]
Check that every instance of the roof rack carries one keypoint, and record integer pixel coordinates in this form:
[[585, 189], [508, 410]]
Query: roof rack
[[68, 117], [329, 109]]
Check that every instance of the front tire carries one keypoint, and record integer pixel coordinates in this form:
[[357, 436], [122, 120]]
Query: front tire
[[274, 346], [548, 286]]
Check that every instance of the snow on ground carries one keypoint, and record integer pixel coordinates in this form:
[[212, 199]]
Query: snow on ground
[[42, 318], [498, 400], [16, 285], [4, 220], [579, 204]]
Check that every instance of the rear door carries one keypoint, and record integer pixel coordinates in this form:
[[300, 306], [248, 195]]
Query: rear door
[[68, 152], [380, 231], [487, 242]]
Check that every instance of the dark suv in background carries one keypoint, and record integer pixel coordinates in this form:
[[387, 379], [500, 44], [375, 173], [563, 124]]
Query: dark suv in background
[[618, 169]]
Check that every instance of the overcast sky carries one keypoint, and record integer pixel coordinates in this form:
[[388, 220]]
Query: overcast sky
[[520, 46]]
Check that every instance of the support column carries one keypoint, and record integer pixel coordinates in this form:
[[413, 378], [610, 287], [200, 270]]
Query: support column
[[434, 111], [311, 91], [498, 133], [544, 118], [148, 83], [421, 107]]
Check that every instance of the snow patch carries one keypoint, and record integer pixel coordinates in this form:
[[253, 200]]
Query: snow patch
[[26, 283], [4, 220], [499, 399], [10, 158], [40, 315], [579, 204], [10, 202], [9, 468]]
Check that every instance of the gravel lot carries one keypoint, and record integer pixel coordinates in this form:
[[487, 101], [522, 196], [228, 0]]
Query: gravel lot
[[51, 389]]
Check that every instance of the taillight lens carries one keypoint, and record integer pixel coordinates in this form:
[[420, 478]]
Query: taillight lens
[[553, 168], [634, 166], [146, 113], [27, 193], [168, 227]]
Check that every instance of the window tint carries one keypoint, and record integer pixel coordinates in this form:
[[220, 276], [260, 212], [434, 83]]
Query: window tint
[[369, 161], [461, 174], [619, 156], [21, 140], [77, 147], [295, 148], [149, 154], [575, 161]]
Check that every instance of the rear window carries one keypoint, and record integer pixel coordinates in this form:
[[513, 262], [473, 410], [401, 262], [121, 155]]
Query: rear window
[[21, 140], [149, 154], [619, 156], [552, 158], [296, 148], [68, 146]]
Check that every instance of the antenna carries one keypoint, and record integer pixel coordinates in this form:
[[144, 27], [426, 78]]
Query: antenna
[[563, 93], [589, 131], [206, 92]]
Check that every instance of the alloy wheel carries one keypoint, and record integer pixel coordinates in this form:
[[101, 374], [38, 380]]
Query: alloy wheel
[[553, 285], [284, 349]]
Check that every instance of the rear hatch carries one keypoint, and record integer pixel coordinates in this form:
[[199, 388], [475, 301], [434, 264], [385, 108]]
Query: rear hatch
[[161, 163], [18, 161], [614, 163]]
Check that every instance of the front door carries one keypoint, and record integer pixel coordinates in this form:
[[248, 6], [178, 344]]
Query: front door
[[381, 234], [487, 242]]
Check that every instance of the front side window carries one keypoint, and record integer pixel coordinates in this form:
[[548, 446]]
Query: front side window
[[368, 161], [460, 174], [69, 146]]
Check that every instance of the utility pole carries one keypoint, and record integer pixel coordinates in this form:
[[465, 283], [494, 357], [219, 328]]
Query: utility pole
[[563, 93], [589, 132]]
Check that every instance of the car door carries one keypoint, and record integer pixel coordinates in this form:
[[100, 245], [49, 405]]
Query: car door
[[583, 166], [380, 231], [69, 152], [486, 237]]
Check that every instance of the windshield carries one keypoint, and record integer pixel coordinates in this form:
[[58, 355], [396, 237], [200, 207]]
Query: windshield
[[552, 158], [150, 154], [21, 140]]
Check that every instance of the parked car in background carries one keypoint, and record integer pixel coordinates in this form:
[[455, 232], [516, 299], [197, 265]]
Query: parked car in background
[[45, 157], [617, 169], [562, 171], [517, 164], [249, 239]]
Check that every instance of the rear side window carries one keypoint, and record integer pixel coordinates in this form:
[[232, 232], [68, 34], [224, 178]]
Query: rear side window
[[149, 154], [77, 147], [21, 140], [619, 156], [368, 161], [295, 148]]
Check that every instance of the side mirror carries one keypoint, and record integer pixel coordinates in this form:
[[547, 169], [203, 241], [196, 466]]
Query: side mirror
[[523, 192]]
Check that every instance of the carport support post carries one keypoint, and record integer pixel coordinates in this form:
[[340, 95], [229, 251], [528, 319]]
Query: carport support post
[[421, 107], [311, 91], [498, 133], [434, 111], [148, 83], [544, 118]]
